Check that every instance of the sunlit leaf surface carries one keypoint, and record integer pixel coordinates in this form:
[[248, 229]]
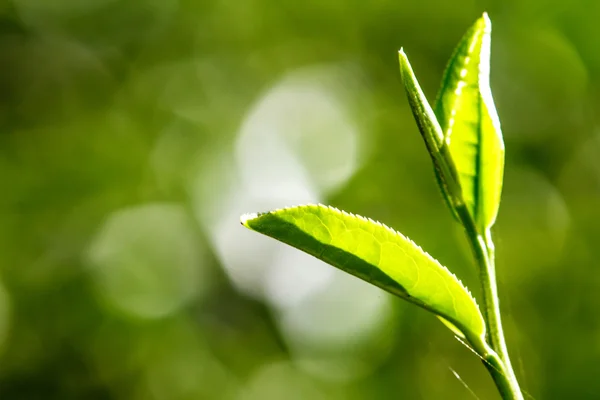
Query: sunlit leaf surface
[[471, 128], [376, 254], [431, 131]]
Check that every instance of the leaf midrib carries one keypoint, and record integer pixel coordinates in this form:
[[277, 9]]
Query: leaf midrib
[[287, 230]]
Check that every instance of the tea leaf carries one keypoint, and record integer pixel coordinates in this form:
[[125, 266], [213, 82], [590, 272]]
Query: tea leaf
[[431, 131], [378, 255], [470, 125]]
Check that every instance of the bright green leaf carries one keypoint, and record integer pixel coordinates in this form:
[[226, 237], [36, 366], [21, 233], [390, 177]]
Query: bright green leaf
[[426, 120], [470, 125], [378, 255], [445, 171]]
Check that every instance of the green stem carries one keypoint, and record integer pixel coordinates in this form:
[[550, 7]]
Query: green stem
[[496, 360], [492, 305], [508, 388]]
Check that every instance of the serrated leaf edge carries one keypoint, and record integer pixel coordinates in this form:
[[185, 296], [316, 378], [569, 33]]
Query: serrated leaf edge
[[250, 216]]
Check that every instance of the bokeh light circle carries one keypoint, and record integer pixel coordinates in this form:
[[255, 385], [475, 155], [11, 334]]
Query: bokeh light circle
[[147, 261]]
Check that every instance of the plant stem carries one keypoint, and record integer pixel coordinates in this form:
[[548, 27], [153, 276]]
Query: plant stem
[[497, 360], [509, 389], [496, 335], [495, 332]]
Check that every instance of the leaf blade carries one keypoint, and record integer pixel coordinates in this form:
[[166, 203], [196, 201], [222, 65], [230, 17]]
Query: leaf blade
[[432, 133], [376, 254], [471, 128]]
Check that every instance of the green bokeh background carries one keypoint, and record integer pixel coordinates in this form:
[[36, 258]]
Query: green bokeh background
[[134, 134]]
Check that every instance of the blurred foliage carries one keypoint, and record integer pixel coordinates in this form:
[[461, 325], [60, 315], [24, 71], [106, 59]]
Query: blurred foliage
[[134, 134]]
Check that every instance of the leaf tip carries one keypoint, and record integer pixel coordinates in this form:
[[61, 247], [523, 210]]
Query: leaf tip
[[244, 219], [487, 23], [402, 56], [404, 64]]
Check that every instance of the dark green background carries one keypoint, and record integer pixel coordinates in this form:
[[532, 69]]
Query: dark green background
[[134, 133]]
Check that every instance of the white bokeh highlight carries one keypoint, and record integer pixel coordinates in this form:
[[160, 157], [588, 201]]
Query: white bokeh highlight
[[148, 261], [340, 331], [298, 143], [293, 277], [304, 123], [219, 198]]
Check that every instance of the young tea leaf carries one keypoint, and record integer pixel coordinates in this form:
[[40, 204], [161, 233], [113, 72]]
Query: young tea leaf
[[431, 131], [470, 125], [424, 115], [378, 255]]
